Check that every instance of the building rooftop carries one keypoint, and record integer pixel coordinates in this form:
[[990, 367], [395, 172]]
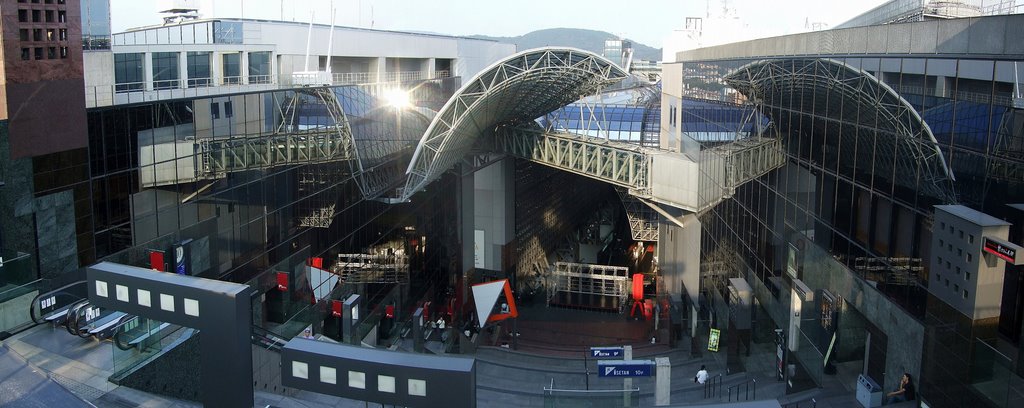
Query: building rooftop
[[302, 24], [972, 215]]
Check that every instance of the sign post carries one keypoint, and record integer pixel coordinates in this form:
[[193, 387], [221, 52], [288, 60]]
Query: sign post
[[606, 352]]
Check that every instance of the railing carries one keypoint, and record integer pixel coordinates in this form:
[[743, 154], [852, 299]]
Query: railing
[[135, 92], [811, 403], [555, 398], [713, 387], [748, 387]]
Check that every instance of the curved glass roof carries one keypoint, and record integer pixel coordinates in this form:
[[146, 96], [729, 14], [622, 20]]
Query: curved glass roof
[[520, 88], [871, 119]]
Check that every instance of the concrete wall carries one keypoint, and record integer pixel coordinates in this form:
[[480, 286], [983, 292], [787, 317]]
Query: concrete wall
[[904, 332], [966, 36], [494, 210], [679, 256]]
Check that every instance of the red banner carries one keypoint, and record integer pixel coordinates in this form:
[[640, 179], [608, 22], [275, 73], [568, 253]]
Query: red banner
[[336, 308], [282, 281], [156, 260], [316, 262]]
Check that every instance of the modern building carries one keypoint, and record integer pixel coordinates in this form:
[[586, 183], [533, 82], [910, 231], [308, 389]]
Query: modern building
[[893, 220]]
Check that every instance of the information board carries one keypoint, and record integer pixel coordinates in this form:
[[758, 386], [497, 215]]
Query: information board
[[713, 340]]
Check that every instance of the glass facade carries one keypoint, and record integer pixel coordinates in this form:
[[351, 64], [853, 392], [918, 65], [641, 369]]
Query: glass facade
[[168, 172], [231, 68], [199, 69], [95, 24], [165, 70], [128, 72], [259, 67], [852, 199]]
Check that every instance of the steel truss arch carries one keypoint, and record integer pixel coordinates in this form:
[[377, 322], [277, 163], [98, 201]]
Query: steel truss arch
[[520, 88], [871, 113]]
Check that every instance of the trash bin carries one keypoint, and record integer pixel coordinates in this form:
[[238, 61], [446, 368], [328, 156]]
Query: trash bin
[[869, 394]]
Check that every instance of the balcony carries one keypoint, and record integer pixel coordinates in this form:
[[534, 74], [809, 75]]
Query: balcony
[[137, 92]]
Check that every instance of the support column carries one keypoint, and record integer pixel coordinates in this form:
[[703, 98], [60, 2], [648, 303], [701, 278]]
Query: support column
[[679, 260], [431, 67], [147, 70], [216, 69], [183, 69], [243, 68], [662, 381], [382, 69]]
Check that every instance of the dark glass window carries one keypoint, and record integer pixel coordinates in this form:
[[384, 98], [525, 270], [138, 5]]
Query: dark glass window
[[63, 52], [198, 69], [39, 53], [37, 34], [23, 16], [232, 68], [128, 71], [229, 110], [36, 16], [23, 34], [49, 16], [51, 53], [259, 67], [165, 70], [215, 110], [25, 54]]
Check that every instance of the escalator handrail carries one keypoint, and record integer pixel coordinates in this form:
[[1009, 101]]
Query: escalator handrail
[[73, 314], [55, 292]]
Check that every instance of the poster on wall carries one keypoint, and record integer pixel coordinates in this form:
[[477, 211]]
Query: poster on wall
[[713, 340], [791, 266], [478, 249]]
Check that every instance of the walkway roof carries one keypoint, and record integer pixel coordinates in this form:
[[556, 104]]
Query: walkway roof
[[520, 88]]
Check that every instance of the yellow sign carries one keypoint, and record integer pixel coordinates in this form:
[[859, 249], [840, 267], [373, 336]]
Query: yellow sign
[[713, 340]]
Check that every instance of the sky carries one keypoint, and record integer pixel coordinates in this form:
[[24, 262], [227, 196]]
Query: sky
[[646, 21]]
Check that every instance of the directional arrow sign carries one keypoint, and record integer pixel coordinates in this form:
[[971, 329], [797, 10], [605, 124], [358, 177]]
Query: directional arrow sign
[[605, 352], [625, 368]]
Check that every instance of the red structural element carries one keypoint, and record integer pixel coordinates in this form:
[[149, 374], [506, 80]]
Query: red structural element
[[336, 308], [156, 260], [648, 309], [512, 311], [650, 249], [389, 311], [638, 286], [317, 262], [282, 281], [426, 310]]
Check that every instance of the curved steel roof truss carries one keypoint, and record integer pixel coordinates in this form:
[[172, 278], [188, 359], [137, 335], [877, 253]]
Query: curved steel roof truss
[[518, 89]]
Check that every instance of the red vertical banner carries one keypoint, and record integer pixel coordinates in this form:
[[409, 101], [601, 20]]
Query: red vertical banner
[[336, 308], [156, 260], [638, 286], [282, 281], [316, 263], [389, 311]]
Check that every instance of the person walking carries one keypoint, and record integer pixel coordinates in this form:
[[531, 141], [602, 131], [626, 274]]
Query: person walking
[[702, 375], [906, 392]]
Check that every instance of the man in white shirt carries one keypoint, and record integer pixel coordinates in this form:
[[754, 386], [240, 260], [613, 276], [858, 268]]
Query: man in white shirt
[[702, 376]]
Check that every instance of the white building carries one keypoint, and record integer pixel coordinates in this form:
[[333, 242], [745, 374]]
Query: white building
[[204, 57]]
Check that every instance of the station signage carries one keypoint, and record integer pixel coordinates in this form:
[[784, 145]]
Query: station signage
[[606, 352], [713, 339], [625, 368], [1004, 250]]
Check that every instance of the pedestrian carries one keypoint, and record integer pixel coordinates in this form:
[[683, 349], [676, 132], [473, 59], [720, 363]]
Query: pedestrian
[[702, 375], [906, 391]]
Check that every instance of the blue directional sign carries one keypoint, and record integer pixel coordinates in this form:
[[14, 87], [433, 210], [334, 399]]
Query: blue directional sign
[[603, 352], [625, 368]]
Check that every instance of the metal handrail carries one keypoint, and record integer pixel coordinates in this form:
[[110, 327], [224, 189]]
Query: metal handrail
[[712, 385], [746, 389]]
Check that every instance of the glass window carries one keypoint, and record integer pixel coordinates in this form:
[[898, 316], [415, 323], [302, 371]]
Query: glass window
[[229, 110], [39, 53], [26, 54], [128, 71], [37, 16], [51, 52], [969, 257], [965, 293], [49, 16], [198, 69], [37, 34], [23, 16], [165, 70], [215, 110], [259, 67], [23, 34], [232, 68], [967, 276]]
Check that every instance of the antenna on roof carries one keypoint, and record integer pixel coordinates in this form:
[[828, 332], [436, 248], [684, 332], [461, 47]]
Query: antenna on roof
[[330, 40]]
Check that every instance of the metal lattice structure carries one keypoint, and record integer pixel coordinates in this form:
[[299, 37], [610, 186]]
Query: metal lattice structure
[[518, 89], [372, 268], [589, 279], [643, 220], [621, 164], [877, 127], [285, 145]]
